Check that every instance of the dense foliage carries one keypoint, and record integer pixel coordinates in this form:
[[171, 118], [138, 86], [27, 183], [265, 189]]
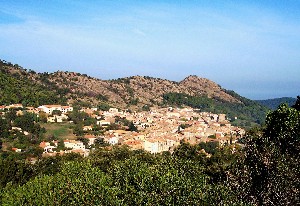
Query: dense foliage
[[264, 171], [16, 88], [268, 173], [118, 177], [247, 111], [22, 132]]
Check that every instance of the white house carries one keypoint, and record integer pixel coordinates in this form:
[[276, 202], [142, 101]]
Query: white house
[[49, 149], [103, 123], [156, 145], [50, 108], [113, 110], [66, 109], [91, 138], [57, 118], [113, 140], [72, 144]]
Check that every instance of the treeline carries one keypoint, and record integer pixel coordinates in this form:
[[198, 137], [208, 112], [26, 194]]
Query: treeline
[[247, 111], [274, 103], [119, 176], [264, 171]]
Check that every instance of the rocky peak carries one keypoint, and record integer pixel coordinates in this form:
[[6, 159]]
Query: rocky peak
[[203, 86]]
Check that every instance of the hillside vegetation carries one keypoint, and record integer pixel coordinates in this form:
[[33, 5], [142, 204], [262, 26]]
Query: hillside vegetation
[[18, 88], [30, 88], [274, 103], [246, 110], [263, 172]]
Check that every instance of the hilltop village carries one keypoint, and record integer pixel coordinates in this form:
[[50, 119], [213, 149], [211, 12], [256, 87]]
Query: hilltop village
[[155, 130]]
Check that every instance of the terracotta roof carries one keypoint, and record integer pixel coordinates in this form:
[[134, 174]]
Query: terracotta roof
[[52, 105], [66, 107], [133, 142], [43, 144], [89, 136]]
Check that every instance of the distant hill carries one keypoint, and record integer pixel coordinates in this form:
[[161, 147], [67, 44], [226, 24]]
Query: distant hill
[[274, 103], [136, 92]]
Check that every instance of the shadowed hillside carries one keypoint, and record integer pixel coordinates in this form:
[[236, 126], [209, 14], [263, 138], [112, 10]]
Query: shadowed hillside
[[274, 103]]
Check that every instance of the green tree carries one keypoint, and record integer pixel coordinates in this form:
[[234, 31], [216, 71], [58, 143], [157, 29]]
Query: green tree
[[99, 142], [76, 184], [10, 115], [104, 107], [15, 172], [4, 128], [78, 129], [43, 117], [56, 112], [61, 145], [90, 121], [209, 147], [84, 140], [77, 116], [269, 172], [132, 127], [283, 129], [297, 104], [188, 151], [26, 122], [34, 151], [146, 107]]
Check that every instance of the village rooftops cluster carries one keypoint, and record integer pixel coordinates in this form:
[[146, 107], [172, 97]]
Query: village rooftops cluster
[[158, 130], [50, 148]]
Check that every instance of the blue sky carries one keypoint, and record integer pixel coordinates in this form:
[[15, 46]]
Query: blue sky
[[251, 47]]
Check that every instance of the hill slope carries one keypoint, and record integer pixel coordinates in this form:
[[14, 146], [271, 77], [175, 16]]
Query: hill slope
[[274, 103], [15, 87], [134, 92]]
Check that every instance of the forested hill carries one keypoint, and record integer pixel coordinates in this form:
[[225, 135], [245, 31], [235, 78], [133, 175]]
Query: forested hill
[[19, 85], [18, 88], [274, 103]]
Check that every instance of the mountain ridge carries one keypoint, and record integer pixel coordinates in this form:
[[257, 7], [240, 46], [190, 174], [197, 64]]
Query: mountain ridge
[[145, 87], [138, 92], [273, 103]]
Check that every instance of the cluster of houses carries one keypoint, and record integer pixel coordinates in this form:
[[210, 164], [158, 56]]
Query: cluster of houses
[[163, 129], [47, 109], [159, 130], [50, 148]]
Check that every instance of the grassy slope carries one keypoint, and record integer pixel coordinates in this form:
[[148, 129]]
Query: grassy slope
[[59, 130]]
